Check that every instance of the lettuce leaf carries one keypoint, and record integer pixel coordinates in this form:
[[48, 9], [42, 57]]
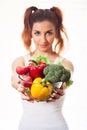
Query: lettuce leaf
[[41, 58], [69, 83]]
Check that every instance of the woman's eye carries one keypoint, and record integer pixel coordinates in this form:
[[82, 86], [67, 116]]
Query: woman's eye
[[49, 33], [37, 33]]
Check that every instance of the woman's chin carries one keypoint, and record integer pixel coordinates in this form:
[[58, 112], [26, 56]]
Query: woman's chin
[[44, 49]]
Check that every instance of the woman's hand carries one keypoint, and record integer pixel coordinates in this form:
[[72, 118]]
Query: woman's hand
[[54, 96], [24, 95], [57, 93]]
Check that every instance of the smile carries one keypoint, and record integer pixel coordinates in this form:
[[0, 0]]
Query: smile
[[43, 46]]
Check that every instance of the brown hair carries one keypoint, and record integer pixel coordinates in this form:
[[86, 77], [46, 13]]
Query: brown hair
[[33, 14]]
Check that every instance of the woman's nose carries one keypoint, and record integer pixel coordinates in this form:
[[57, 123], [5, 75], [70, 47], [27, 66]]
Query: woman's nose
[[43, 38]]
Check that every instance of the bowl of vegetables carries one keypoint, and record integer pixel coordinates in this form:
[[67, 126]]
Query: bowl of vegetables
[[40, 77]]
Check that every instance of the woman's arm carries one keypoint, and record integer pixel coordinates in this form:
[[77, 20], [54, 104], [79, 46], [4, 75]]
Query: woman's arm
[[15, 80], [68, 65]]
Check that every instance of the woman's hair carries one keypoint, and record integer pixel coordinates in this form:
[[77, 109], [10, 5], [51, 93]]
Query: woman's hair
[[54, 15]]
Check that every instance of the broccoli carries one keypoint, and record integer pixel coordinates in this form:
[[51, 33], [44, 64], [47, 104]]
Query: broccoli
[[56, 73]]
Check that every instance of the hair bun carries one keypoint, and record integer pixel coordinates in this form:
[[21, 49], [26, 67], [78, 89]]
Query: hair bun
[[33, 8]]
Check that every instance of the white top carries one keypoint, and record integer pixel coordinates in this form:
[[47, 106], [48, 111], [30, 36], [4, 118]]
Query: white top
[[43, 115]]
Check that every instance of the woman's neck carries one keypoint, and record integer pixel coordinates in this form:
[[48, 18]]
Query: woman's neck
[[36, 53], [51, 55]]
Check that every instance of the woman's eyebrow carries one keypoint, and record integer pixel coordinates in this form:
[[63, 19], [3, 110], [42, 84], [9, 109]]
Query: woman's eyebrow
[[36, 30], [50, 30], [46, 30]]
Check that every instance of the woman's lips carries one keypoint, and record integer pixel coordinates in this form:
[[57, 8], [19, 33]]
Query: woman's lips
[[43, 46]]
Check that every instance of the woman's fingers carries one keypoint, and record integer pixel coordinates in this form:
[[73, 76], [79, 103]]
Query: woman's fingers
[[59, 91], [56, 95], [51, 100], [24, 95]]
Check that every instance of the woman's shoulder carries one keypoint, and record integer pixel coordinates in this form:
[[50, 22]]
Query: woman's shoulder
[[18, 61], [68, 64]]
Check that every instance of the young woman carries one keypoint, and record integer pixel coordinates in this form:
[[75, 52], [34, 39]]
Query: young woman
[[44, 28]]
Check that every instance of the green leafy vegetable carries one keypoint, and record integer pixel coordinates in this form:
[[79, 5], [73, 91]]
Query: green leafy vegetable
[[41, 58], [69, 83]]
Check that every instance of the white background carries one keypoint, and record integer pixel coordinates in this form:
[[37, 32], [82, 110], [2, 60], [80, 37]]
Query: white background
[[11, 23]]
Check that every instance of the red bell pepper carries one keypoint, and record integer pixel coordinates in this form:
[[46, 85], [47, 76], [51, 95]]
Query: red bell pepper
[[36, 69]]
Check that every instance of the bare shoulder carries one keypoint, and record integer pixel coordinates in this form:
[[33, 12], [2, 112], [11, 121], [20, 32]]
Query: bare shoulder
[[19, 61], [68, 64]]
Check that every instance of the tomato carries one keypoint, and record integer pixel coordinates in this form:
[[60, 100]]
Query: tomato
[[22, 70]]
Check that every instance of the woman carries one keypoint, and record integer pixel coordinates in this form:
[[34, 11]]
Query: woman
[[44, 28]]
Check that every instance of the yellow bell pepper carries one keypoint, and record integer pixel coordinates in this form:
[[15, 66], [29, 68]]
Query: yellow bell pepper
[[39, 90]]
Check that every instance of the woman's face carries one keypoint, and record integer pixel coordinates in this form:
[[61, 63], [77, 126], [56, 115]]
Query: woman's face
[[43, 34]]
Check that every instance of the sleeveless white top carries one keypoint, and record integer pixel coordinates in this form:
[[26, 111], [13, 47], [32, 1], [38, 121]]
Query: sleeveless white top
[[43, 115]]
